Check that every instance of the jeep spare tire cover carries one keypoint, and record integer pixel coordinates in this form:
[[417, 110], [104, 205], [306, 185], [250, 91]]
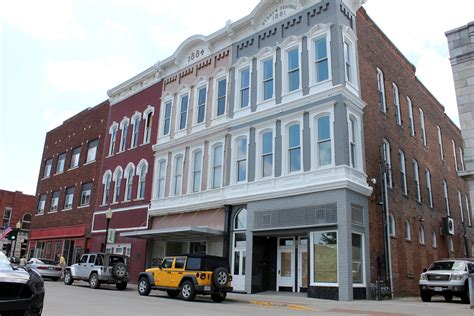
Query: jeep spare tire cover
[[220, 277], [119, 271]]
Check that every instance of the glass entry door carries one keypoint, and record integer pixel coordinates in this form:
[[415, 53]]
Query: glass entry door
[[302, 264], [286, 264], [238, 262]]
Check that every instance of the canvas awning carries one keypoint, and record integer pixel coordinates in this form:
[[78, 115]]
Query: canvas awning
[[175, 233]]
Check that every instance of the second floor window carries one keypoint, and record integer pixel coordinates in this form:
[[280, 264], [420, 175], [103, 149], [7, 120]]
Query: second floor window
[[92, 150], [86, 194], [69, 199], [113, 140], [460, 206], [7, 214], [244, 87], [107, 181], [60, 164], [41, 204], [242, 159], [455, 158], [324, 141], [348, 60], [123, 140], [178, 175], [167, 119], [321, 60], [268, 79], [47, 168], [396, 103], [76, 154], [202, 93], [440, 142], [428, 188], [267, 154], [118, 184], [410, 117], [352, 143], [142, 182], [446, 197], [422, 126], [129, 184], [217, 167], [184, 112], [403, 173], [294, 148], [197, 163], [54, 201], [148, 125], [416, 174], [161, 178], [381, 89], [221, 95], [293, 70], [136, 130]]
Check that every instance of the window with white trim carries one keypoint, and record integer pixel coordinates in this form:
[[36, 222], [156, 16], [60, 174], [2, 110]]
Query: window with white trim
[[217, 166], [85, 194], [148, 126], [129, 173], [416, 175], [429, 188], [7, 214], [422, 126], [324, 147], [161, 178], [201, 104], [92, 150], [387, 161], [454, 155], [461, 158], [60, 164], [421, 235], [123, 139], [76, 154], [460, 206], [41, 204], [221, 96], [324, 257], [403, 173], [167, 118], [410, 117], [381, 90], [135, 131], [197, 170], [47, 168], [396, 103], [468, 211], [446, 197], [440, 142], [358, 259], [293, 68], [267, 154], [391, 225], [294, 148], [241, 162], [113, 140], [142, 180], [69, 199], [321, 59], [407, 230], [244, 93], [54, 202], [26, 222], [353, 129], [106, 182], [267, 79], [178, 175], [118, 184], [349, 60], [183, 116], [434, 242]]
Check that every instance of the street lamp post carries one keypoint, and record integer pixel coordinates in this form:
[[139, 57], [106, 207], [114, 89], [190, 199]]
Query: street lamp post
[[18, 227], [108, 217]]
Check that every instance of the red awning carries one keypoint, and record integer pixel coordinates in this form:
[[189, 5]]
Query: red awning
[[58, 232]]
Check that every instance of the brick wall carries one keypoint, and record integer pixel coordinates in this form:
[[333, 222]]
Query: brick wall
[[20, 204]]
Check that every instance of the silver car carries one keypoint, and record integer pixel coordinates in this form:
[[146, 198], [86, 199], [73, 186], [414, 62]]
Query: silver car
[[47, 268]]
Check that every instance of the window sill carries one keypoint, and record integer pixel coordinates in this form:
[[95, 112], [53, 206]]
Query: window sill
[[52, 212], [90, 162], [140, 199], [408, 240], [83, 206], [66, 209], [58, 173], [393, 236], [72, 168], [39, 214], [43, 178]]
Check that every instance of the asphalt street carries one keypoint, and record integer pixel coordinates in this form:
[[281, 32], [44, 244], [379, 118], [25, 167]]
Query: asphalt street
[[79, 299]]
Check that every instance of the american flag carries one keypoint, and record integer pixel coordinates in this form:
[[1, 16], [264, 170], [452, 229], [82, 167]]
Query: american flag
[[6, 230]]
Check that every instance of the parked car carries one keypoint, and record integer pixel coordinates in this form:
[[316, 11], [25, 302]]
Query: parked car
[[447, 278], [21, 290], [99, 269], [187, 276], [47, 268]]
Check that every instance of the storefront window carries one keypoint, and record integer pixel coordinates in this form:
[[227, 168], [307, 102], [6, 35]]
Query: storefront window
[[324, 257], [357, 259]]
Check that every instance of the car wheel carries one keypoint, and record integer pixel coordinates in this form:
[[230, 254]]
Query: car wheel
[[188, 292], [465, 296], [172, 293], [448, 297], [426, 296], [68, 280], [119, 271], [219, 297], [54, 279], [144, 287], [121, 286], [94, 281], [220, 277]]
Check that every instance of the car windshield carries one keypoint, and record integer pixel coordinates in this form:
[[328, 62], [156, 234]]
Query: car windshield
[[3, 258], [448, 265]]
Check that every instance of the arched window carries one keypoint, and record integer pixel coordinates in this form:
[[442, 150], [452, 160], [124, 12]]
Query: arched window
[[123, 140], [241, 220], [434, 243], [26, 222], [353, 142], [407, 232], [217, 167], [142, 171], [421, 235], [161, 178], [136, 130], [197, 166], [113, 140], [106, 182], [129, 185], [391, 225], [388, 161], [294, 148], [118, 182], [241, 159], [324, 141], [148, 124], [178, 174], [267, 154]]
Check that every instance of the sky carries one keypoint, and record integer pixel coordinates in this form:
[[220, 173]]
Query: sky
[[58, 57]]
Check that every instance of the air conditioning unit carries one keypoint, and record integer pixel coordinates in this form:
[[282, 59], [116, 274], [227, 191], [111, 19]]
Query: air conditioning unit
[[448, 225]]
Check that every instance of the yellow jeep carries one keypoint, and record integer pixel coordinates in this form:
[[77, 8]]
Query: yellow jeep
[[188, 275]]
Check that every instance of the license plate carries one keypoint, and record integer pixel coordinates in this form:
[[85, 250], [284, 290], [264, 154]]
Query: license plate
[[438, 289], [51, 269], [207, 288]]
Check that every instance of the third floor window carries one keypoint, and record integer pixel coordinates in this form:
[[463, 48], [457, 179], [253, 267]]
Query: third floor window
[[76, 153], [293, 70], [267, 66]]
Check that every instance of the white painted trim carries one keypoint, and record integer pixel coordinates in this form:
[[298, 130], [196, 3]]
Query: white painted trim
[[259, 146], [311, 260], [233, 165], [192, 152]]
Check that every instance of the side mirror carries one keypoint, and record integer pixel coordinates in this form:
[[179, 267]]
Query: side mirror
[[424, 270]]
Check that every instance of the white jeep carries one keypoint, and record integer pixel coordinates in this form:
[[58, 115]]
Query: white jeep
[[99, 269]]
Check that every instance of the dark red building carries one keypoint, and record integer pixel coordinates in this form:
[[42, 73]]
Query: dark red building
[[17, 211], [66, 193], [125, 182]]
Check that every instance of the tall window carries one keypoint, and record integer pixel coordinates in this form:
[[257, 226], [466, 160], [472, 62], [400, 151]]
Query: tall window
[[324, 252], [468, 211], [407, 231], [197, 166], [76, 153], [461, 158], [267, 154], [268, 79], [387, 162], [221, 95], [403, 173], [410, 117], [396, 103], [357, 259], [440, 142], [391, 225], [454, 155], [434, 244], [184, 111], [148, 125], [118, 185], [293, 70], [54, 202], [69, 198], [129, 184], [167, 120], [244, 87], [92, 150], [321, 59], [446, 197], [7, 214], [217, 167], [460, 206], [161, 178], [416, 174], [142, 181], [324, 141], [107, 180], [41, 204], [123, 139], [428, 188], [294, 148], [352, 142], [47, 168], [422, 126], [113, 140], [421, 234], [381, 88], [348, 61], [85, 194], [26, 222], [60, 164], [202, 92], [242, 159], [136, 130], [178, 174]]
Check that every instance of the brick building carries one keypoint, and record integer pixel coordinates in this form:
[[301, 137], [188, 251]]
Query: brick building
[[17, 209], [66, 193], [407, 130], [125, 181]]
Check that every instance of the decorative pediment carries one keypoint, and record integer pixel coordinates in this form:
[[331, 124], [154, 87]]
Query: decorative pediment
[[192, 50], [269, 11]]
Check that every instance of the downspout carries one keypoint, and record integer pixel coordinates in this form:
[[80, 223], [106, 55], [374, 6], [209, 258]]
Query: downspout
[[388, 251]]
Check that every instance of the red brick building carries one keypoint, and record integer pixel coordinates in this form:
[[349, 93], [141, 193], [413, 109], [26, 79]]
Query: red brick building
[[17, 209], [66, 193], [407, 130], [125, 182]]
